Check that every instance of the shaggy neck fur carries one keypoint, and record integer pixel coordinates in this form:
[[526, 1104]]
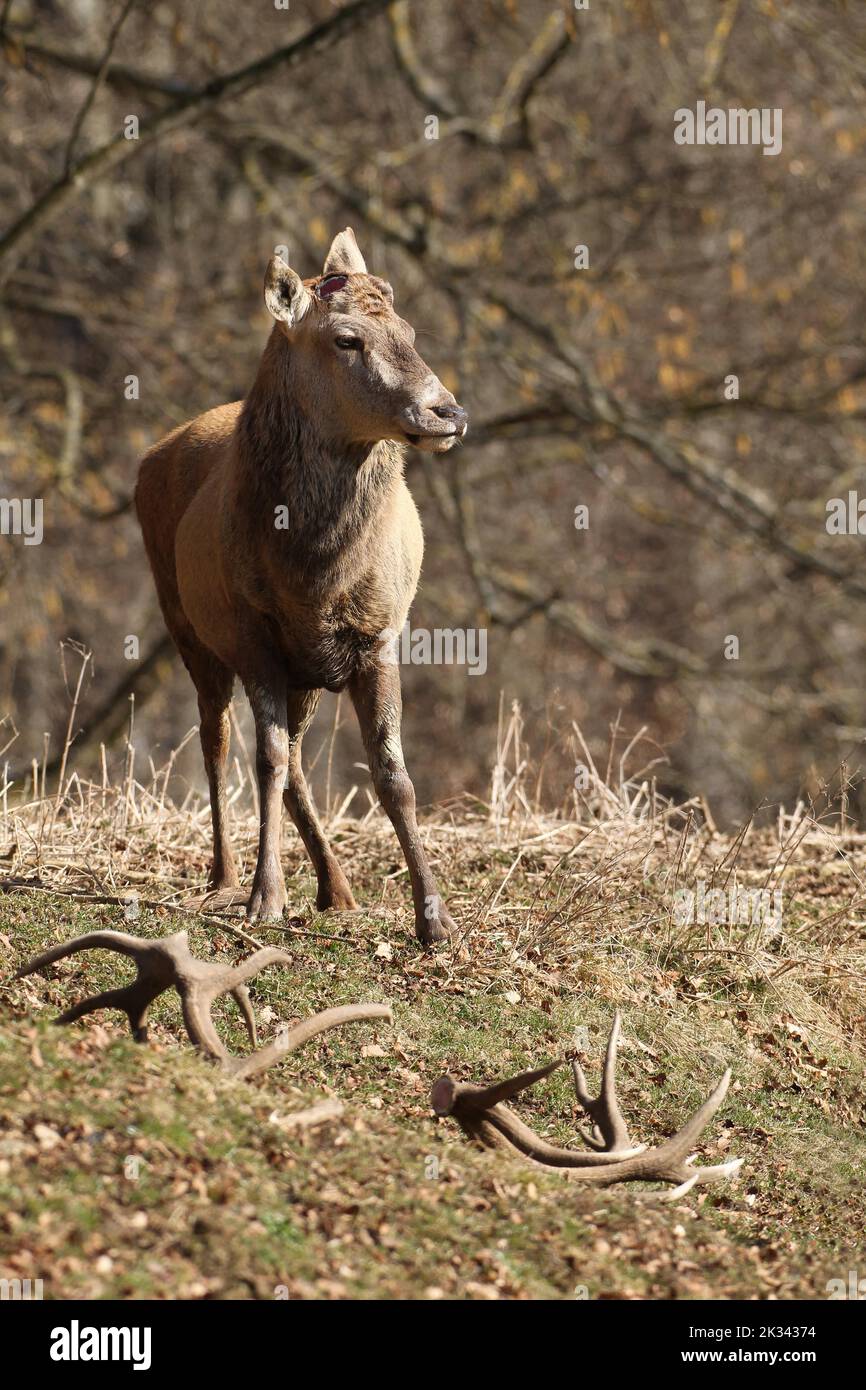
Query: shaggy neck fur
[[333, 490]]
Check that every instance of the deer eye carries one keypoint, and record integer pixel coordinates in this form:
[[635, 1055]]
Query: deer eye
[[348, 343]]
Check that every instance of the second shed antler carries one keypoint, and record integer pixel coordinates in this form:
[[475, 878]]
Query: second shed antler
[[166, 962], [482, 1114]]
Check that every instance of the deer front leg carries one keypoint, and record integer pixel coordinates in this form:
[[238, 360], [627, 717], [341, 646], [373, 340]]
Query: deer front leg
[[333, 888], [268, 702], [214, 731], [376, 696]]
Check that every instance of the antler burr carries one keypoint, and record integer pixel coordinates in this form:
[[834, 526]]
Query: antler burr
[[167, 963]]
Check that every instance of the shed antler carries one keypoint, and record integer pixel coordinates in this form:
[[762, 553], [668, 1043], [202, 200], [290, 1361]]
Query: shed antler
[[167, 962], [481, 1113]]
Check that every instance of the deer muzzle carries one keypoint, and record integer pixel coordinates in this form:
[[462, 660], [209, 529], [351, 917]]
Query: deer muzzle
[[437, 427]]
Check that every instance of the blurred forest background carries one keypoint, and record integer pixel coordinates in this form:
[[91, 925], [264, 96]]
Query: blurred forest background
[[601, 386]]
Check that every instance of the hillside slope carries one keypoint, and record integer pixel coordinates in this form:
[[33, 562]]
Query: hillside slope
[[142, 1171]]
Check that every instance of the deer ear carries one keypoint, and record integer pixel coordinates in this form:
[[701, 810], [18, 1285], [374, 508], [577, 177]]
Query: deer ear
[[286, 296], [344, 258]]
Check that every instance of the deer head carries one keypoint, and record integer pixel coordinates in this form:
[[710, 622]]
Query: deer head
[[354, 368]]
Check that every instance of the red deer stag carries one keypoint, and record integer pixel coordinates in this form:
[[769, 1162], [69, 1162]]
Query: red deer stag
[[284, 542]]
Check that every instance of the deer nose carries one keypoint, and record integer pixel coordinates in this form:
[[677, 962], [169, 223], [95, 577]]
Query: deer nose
[[453, 412]]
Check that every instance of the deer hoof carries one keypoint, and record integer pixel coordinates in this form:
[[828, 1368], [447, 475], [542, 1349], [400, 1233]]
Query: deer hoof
[[222, 879], [336, 899], [431, 931], [265, 905]]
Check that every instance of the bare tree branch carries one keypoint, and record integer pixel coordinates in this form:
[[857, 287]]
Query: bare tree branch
[[98, 79], [420, 81], [179, 113]]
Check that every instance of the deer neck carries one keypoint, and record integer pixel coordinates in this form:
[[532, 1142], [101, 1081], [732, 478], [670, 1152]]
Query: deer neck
[[330, 492]]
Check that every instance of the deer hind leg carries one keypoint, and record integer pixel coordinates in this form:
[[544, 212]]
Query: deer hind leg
[[333, 888], [268, 701], [376, 696], [213, 682]]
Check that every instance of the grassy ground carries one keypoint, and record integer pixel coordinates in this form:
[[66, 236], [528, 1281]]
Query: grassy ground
[[141, 1171]]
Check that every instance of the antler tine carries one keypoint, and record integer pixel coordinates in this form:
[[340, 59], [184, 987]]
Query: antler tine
[[694, 1127], [714, 1173], [609, 1132], [106, 940], [468, 1099], [226, 979], [671, 1161], [203, 982], [153, 976], [292, 1038], [133, 1001], [241, 996]]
